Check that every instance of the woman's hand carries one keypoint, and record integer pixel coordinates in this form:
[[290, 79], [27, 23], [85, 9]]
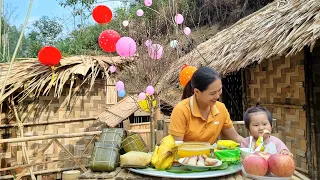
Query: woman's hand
[[232, 134], [286, 152]]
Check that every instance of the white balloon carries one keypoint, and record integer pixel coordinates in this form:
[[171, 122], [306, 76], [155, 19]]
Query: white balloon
[[125, 23], [173, 43]]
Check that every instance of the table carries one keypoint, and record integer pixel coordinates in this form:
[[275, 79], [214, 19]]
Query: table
[[124, 174]]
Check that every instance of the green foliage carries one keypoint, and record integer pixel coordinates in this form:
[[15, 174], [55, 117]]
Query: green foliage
[[156, 23], [47, 29]]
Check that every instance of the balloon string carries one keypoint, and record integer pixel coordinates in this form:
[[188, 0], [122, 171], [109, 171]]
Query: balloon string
[[52, 77]]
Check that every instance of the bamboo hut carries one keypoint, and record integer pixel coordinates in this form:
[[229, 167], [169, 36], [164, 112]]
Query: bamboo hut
[[52, 124], [274, 55]]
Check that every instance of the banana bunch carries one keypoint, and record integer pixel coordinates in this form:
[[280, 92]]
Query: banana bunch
[[227, 144], [164, 154]]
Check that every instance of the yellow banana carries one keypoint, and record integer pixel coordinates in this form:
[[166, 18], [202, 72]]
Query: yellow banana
[[164, 154]]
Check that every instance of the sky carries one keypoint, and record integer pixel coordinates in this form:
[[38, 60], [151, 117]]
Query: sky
[[51, 8]]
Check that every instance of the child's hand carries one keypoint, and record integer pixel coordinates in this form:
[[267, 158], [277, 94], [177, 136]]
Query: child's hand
[[286, 152]]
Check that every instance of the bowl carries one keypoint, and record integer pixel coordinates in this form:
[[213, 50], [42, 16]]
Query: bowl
[[188, 149], [245, 152]]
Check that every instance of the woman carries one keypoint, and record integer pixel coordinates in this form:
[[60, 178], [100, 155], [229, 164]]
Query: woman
[[200, 116]]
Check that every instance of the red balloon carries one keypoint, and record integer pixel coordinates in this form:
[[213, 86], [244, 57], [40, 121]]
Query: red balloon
[[184, 66], [49, 56], [102, 14], [108, 39]]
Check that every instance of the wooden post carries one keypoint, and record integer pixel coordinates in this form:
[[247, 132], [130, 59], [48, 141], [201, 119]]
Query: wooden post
[[40, 155], [23, 144], [158, 119]]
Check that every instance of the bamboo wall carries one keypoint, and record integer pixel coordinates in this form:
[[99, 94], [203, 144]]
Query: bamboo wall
[[46, 109], [277, 84]]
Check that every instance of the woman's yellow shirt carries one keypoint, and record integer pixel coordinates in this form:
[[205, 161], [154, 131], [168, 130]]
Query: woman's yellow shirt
[[187, 122]]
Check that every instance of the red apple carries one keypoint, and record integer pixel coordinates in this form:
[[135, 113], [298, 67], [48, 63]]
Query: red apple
[[265, 155], [255, 165], [281, 165]]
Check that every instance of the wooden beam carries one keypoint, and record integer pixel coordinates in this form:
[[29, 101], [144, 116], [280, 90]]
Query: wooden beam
[[43, 137], [39, 163], [46, 123], [23, 144], [72, 157], [43, 172], [39, 155]]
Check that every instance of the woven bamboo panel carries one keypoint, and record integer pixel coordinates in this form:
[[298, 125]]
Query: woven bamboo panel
[[277, 84], [45, 109]]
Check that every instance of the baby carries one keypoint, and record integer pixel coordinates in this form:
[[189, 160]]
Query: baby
[[257, 120]]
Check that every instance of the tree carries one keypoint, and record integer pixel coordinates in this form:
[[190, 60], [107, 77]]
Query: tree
[[48, 29]]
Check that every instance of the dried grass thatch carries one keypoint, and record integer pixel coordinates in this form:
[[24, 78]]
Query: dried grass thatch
[[35, 78], [281, 28]]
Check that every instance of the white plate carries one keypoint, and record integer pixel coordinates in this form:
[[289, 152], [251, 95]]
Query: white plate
[[194, 175], [201, 168], [267, 176]]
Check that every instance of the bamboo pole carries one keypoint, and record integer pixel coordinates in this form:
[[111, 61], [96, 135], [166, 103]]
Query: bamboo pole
[[49, 122], [16, 49], [85, 149], [43, 137], [23, 144], [39, 163], [39, 155], [71, 155], [42, 172]]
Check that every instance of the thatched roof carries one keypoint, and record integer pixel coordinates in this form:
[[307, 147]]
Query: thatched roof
[[281, 28], [35, 78]]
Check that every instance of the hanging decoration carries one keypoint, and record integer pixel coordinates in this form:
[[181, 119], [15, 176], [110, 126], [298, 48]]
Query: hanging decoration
[[112, 69], [178, 19], [49, 56], [150, 90], [186, 74], [187, 31], [108, 39], [102, 14], [155, 51], [125, 23], [144, 104], [126, 47], [140, 12], [122, 93], [142, 96], [173, 43], [148, 2]]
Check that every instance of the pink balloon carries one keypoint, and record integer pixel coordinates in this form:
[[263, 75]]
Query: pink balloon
[[148, 43], [155, 51], [187, 30], [150, 90], [119, 86], [126, 47], [178, 19], [139, 12], [112, 69], [142, 96], [148, 2]]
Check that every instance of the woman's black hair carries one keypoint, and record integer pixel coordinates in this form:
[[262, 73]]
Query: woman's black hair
[[201, 79], [247, 119]]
